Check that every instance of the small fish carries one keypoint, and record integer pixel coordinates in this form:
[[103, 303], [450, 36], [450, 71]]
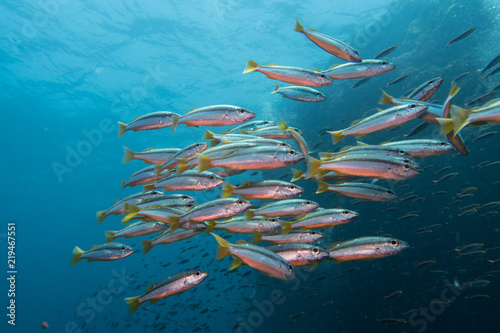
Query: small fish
[[300, 254], [363, 191], [188, 181], [241, 225], [299, 93], [426, 263], [491, 64], [329, 44], [448, 167], [251, 126], [186, 152], [302, 237], [482, 98], [418, 129], [150, 121], [359, 70], [366, 248], [166, 237], [385, 52], [321, 219], [461, 76], [445, 178], [425, 91], [493, 72], [393, 294], [172, 285], [408, 216], [263, 190], [484, 136], [104, 252], [392, 321], [293, 75], [398, 80], [288, 207], [476, 297], [361, 82], [135, 229], [149, 156], [461, 36], [468, 212]]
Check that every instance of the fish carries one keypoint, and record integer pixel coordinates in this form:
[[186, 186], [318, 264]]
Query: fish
[[385, 52], [300, 254], [433, 112], [421, 147], [393, 294], [257, 158], [263, 190], [167, 237], [320, 219], [135, 229], [250, 126], [365, 149], [363, 191], [304, 149], [476, 297], [425, 91], [104, 252], [461, 76], [292, 237], [190, 180], [365, 248], [273, 132], [392, 321], [398, 80], [213, 115], [299, 93], [425, 263], [144, 175], [417, 129], [243, 226], [186, 152], [381, 120], [484, 136], [488, 113], [461, 36], [287, 207], [493, 72], [156, 213], [257, 257], [491, 64], [482, 98], [150, 121], [174, 284], [149, 156], [293, 75], [446, 177], [329, 44], [359, 70]]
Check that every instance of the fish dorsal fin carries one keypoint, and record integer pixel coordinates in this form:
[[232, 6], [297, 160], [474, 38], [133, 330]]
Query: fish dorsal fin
[[245, 132], [333, 245], [148, 149], [493, 101], [360, 143], [191, 110], [355, 122], [225, 141], [236, 263], [241, 241], [93, 247], [380, 110], [246, 183], [333, 66], [344, 149], [151, 286]]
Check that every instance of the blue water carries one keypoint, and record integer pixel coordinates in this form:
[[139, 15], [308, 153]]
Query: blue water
[[71, 69]]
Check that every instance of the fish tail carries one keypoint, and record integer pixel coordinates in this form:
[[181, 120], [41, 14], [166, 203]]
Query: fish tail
[[147, 245], [210, 226], [282, 125], [256, 237], [214, 143], [133, 303], [121, 128], [251, 66], [297, 174], [386, 99], [205, 162], [276, 87], [77, 255], [227, 190], [446, 124], [249, 214], [337, 136], [209, 135], [175, 118], [223, 249], [110, 235], [128, 155], [101, 215], [314, 166], [454, 89], [148, 187], [123, 185], [287, 227], [236, 263], [174, 223], [313, 266], [448, 44], [129, 217], [158, 168], [460, 118], [181, 165], [322, 186], [298, 26]]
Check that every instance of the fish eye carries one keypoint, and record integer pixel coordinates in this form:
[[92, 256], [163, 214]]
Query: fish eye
[[442, 144], [315, 250], [291, 152], [282, 144], [290, 268], [240, 202], [406, 167], [291, 187], [323, 76], [390, 192], [123, 248], [313, 232], [394, 242], [212, 177], [402, 152], [345, 212], [308, 202], [184, 197], [385, 63], [412, 106], [197, 145], [197, 273], [273, 220]]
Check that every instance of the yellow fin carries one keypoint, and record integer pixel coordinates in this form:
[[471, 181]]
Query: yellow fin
[[276, 87], [298, 26], [146, 245], [101, 215], [227, 190], [446, 125], [287, 227], [109, 235], [151, 286], [209, 135], [244, 132], [297, 174], [322, 186], [359, 143], [325, 156], [174, 223], [332, 246], [133, 303], [175, 119], [181, 165], [204, 162], [128, 155], [210, 226], [257, 237], [223, 249], [337, 136], [386, 99], [236, 263], [314, 166], [241, 241], [249, 214], [313, 266], [121, 128], [251, 66], [77, 255], [282, 126], [460, 118]]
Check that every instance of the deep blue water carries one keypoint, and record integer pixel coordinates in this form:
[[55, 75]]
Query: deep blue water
[[71, 69]]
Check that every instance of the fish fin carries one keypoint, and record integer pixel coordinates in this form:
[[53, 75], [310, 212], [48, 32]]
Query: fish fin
[[491, 102], [286, 227], [151, 286], [244, 132], [209, 135], [204, 162], [210, 226], [249, 214], [214, 142], [322, 173], [313, 266], [256, 237], [133, 303], [251, 66], [298, 26], [225, 141], [181, 165], [174, 223], [100, 215], [282, 125], [121, 128], [386, 98], [454, 89], [175, 119], [297, 174], [129, 217], [322, 186], [333, 66], [147, 245], [77, 255], [158, 169], [109, 235], [331, 246], [223, 249], [153, 301], [460, 118], [359, 143], [130, 208], [148, 187], [276, 87], [446, 124], [324, 156], [241, 241], [236, 263], [314, 166], [227, 190], [128, 155], [336, 136]]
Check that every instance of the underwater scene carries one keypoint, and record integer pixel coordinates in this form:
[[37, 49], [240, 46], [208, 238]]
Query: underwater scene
[[250, 166]]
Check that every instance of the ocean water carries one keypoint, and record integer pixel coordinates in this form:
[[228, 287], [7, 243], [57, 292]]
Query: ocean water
[[72, 69]]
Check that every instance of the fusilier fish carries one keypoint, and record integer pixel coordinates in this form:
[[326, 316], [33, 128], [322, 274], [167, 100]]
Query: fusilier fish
[[461, 36], [366, 248], [321, 219], [186, 152], [329, 44], [293, 75], [426, 90], [359, 70], [421, 147], [144, 175], [149, 156], [167, 237], [300, 254], [243, 226], [292, 237], [263, 190], [189, 181], [288, 207], [104, 252], [150, 121], [398, 80], [363, 191], [172, 285], [251, 126], [135, 229], [257, 257], [299, 93]]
